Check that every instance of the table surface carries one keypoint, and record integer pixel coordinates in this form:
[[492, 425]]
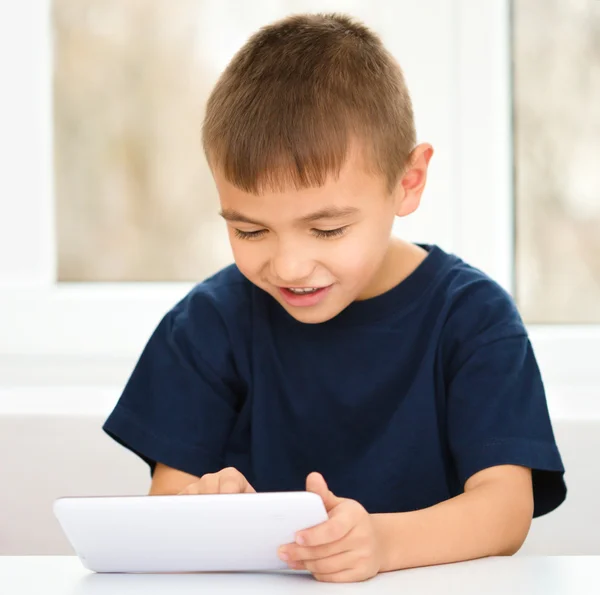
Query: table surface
[[64, 575]]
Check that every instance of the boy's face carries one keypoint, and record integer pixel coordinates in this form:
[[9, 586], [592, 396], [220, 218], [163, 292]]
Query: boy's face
[[317, 250]]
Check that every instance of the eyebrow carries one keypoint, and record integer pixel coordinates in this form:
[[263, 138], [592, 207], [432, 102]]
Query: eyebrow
[[325, 213]]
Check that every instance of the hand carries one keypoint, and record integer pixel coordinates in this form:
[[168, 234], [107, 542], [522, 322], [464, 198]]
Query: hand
[[344, 548], [226, 481]]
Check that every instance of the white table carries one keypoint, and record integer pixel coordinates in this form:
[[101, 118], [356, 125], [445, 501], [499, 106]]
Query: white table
[[494, 576]]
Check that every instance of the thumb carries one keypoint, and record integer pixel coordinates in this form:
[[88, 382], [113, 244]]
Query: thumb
[[316, 484]]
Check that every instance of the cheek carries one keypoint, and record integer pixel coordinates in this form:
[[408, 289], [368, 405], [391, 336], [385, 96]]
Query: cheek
[[248, 258], [361, 254], [358, 261]]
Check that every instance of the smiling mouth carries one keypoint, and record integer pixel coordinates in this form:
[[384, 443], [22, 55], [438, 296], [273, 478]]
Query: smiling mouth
[[303, 290], [304, 296]]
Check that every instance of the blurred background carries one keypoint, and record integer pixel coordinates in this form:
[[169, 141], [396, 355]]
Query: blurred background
[[134, 197], [556, 95], [108, 212]]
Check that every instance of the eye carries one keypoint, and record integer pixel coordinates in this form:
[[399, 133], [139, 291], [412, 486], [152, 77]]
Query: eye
[[249, 235], [330, 233]]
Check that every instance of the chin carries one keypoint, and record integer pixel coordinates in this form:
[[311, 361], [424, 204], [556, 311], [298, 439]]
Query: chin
[[307, 317], [314, 315]]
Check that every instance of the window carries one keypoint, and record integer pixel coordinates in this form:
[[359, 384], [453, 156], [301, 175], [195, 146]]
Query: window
[[134, 197], [486, 190], [557, 149]]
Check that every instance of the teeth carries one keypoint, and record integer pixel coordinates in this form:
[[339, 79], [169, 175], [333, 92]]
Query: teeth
[[303, 290]]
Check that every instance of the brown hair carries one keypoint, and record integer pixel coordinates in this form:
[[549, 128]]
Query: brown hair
[[296, 96]]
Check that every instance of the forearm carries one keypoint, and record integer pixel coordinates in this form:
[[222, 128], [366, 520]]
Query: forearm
[[168, 481], [485, 521]]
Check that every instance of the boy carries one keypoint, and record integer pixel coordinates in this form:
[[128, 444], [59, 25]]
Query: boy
[[401, 374]]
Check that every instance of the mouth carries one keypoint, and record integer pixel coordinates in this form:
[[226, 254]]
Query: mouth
[[304, 296], [302, 290]]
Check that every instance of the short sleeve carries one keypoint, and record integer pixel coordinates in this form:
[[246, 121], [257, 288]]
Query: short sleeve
[[498, 415], [180, 402]]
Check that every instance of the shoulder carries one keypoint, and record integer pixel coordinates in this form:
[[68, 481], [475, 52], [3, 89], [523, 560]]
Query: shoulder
[[215, 316], [224, 295], [478, 302], [477, 309]]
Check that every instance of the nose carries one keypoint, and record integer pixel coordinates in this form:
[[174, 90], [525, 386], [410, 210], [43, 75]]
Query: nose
[[291, 265]]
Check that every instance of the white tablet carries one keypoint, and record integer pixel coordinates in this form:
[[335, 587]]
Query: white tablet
[[228, 532]]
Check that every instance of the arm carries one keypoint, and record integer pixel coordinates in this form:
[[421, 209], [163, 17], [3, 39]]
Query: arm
[[180, 403], [168, 481], [491, 518]]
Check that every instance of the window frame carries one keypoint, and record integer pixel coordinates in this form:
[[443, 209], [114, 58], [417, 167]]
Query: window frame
[[567, 354]]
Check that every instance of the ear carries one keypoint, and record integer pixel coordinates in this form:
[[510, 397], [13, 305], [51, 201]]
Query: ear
[[411, 185]]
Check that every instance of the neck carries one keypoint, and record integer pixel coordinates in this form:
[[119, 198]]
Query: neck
[[400, 261]]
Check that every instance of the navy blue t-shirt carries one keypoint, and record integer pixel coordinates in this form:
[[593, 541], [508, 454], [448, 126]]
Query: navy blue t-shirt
[[397, 401]]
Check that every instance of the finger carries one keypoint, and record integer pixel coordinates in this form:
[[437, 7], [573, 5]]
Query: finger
[[332, 564], [231, 485], [292, 552], [233, 482], [208, 484], [298, 553], [341, 521], [351, 575], [334, 529], [316, 484], [191, 489]]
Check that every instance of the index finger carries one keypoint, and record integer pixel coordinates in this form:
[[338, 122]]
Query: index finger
[[231, 485], [333, 529], [233, 482]]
